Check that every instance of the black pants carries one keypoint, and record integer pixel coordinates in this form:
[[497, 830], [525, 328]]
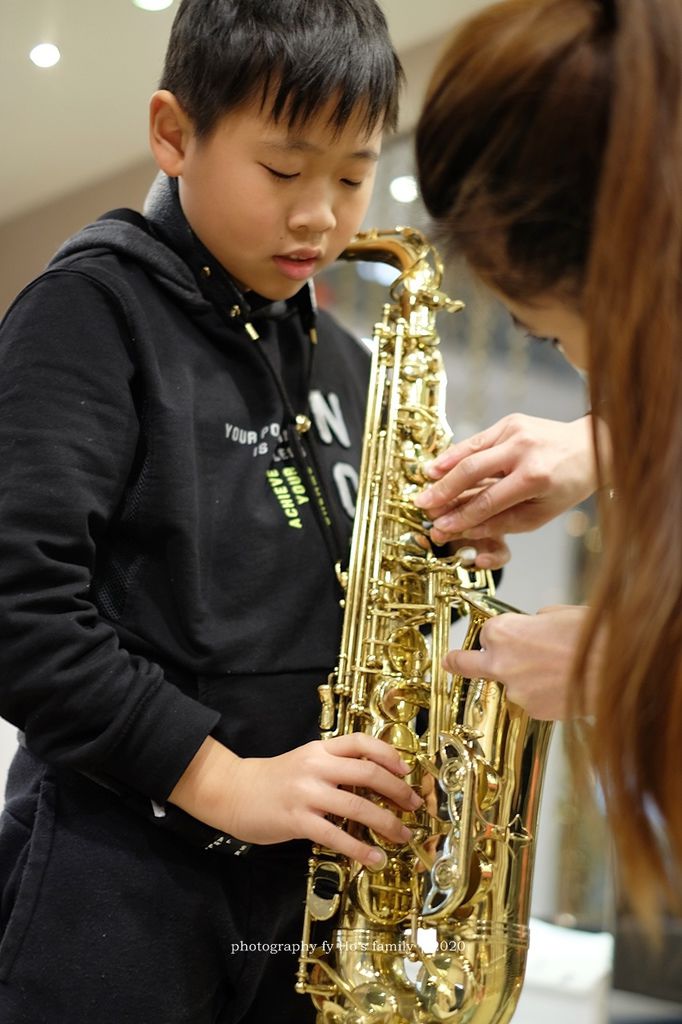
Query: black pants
[[107, 920]]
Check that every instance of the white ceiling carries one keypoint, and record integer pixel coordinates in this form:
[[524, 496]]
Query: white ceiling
[[85, 119]]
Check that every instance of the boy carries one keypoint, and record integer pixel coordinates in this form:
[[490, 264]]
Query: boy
[[169, 525]]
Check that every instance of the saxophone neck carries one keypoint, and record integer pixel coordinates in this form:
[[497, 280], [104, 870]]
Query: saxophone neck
[[420, 267]]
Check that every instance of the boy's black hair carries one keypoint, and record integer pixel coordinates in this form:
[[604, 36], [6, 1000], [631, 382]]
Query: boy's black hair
[[294, 54]]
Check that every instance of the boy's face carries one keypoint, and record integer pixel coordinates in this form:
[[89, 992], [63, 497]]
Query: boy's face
[[276, 204]]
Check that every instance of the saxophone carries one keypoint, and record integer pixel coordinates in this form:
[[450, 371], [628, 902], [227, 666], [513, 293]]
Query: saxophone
[[440, 933]]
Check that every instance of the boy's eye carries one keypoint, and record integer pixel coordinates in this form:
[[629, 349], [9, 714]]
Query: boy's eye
[[279, 174], [350, 183]]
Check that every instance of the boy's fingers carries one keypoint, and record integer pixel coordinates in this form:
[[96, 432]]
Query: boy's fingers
[[358, 808], [359, 744], [369, 776], [327, 834]]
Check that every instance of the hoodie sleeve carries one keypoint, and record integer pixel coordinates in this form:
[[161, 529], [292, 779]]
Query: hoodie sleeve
[[68, 436]]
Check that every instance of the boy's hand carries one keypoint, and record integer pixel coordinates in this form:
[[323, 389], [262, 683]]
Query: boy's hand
[[532, 655], [271, 800], [513, 477]]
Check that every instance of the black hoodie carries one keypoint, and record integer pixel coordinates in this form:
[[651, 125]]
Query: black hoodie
[[167, 570]]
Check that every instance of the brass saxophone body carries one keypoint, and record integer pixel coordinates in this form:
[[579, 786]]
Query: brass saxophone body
[[440, 934]]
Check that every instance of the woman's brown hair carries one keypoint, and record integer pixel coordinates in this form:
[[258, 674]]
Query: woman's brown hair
[[550, 156]]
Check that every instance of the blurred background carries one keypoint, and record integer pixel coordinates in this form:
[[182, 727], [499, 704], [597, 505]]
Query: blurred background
[[76, 145]]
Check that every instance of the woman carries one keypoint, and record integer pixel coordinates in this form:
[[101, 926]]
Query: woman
[[550, 155]]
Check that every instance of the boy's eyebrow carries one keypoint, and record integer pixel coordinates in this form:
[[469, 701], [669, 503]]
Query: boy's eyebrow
[[309, 147]]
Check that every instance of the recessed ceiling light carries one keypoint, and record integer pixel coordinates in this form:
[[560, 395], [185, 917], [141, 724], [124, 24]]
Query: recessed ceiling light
[[153, 5], [404, 189], [45, 55]]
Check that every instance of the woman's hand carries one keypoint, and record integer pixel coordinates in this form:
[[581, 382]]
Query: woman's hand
[[491, 552], [512, 477], [271, 800], [532, 655]]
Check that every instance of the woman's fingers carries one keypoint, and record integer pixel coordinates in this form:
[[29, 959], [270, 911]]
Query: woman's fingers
[[532, 656], [491, 553], [460, 450], [467, 474], [487, 505], [470, 664]]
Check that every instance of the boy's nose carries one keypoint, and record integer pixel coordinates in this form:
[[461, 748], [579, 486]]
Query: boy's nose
[[313, 215]]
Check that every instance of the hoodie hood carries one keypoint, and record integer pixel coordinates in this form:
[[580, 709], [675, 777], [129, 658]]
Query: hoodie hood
[[163, 243], [128, 235]]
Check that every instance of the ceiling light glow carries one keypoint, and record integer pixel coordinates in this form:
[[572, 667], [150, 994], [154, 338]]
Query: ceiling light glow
[[152, 5], [45, 55], [404, 189]]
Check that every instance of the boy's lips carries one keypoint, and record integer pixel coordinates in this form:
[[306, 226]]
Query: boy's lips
[[298, 265]]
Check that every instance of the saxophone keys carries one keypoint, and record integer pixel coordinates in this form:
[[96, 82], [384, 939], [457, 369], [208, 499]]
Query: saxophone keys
[[342, 577], [325, 887], [466, 556], [402, 739], [325, 693], [384, 896], [424, 856]]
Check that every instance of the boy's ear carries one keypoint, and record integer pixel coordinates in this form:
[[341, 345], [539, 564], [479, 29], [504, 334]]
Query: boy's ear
[[169, 132]]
